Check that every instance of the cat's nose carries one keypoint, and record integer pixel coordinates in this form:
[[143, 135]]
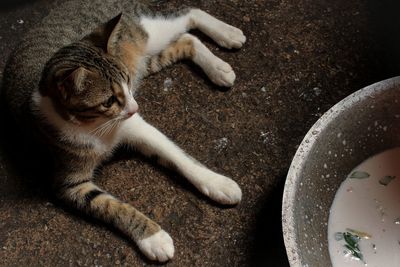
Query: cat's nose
[[131, 108]]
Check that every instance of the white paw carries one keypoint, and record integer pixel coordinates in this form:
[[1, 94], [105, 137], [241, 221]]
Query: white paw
[[228, 36], [220, 72], [158, 246], [221, 189]]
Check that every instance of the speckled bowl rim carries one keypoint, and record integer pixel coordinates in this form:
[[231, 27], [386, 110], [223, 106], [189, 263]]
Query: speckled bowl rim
[[301, 156]]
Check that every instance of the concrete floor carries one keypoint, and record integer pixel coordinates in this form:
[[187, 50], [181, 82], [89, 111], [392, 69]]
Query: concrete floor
[[302, 56]]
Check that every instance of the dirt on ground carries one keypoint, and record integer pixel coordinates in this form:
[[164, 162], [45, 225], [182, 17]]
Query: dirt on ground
[[301, 57]]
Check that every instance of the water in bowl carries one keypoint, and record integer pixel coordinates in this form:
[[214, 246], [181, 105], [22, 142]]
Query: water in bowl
[[364, 221]]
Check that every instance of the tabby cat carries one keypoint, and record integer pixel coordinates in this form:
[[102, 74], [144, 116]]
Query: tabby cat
[[73, 80]]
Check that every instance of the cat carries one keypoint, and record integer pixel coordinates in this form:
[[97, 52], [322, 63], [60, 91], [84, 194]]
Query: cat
[[72, 82]]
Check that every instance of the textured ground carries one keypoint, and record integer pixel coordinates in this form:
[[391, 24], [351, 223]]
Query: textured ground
[[302, 56]]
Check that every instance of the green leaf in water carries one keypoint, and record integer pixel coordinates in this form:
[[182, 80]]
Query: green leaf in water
[[359, 175], [350, 239], [386, 180], [352, 245], [355, 252]]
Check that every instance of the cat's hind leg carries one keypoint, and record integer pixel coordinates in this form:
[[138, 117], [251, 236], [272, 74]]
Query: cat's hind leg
[[222, 33], [190, 47], [168, 42], [164, 29]]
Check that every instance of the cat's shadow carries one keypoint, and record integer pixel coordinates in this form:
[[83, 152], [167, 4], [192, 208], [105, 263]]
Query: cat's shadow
[[24, 163]]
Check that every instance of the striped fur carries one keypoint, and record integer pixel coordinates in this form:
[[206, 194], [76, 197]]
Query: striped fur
[[76, 74], [183, 48]]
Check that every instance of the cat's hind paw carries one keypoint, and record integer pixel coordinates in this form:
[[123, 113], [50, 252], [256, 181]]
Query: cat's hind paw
[[158, 246], [228, 36], [222, 33]]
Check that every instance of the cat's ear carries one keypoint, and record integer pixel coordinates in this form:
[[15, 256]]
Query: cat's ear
[[106, 36], [70, 82]]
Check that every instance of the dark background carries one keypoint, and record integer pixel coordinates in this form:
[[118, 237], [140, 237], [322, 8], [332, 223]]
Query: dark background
[[301, 57]]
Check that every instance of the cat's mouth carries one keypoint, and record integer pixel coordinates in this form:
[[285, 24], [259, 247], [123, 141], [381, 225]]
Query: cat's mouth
[[128, 115], [130, 111]]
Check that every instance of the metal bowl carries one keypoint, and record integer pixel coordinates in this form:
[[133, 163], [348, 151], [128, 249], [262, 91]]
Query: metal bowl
[[363, 124]]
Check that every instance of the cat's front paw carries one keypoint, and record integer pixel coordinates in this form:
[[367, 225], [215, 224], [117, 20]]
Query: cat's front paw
[[221, 189], [158, 246], [220, 72]]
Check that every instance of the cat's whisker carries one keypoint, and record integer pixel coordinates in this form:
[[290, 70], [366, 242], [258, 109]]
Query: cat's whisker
[[106, 127], [116, 124], [100, 127], [99, 131], [113, 125], [103, 129]]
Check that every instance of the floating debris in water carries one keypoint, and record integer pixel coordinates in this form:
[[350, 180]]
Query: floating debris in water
[[380, 209], [338, 236], [263, 89], [397, 221], [359, 175], [386, 180], [359, 233], [350, 189], [20, 21]]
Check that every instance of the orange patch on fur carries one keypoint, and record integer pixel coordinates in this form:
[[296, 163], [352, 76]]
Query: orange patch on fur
[[130, 54]]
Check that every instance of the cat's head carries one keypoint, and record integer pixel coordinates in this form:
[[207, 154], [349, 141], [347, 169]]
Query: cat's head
[[92, 81]]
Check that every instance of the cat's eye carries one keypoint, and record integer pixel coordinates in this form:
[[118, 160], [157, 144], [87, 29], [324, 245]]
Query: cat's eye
[[109, 102]]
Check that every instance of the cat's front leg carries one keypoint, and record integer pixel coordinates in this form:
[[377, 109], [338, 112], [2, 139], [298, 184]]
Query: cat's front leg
[[78, 191], [151, 142]]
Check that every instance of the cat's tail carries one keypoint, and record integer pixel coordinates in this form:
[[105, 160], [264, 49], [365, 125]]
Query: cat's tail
[[84, 195]]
